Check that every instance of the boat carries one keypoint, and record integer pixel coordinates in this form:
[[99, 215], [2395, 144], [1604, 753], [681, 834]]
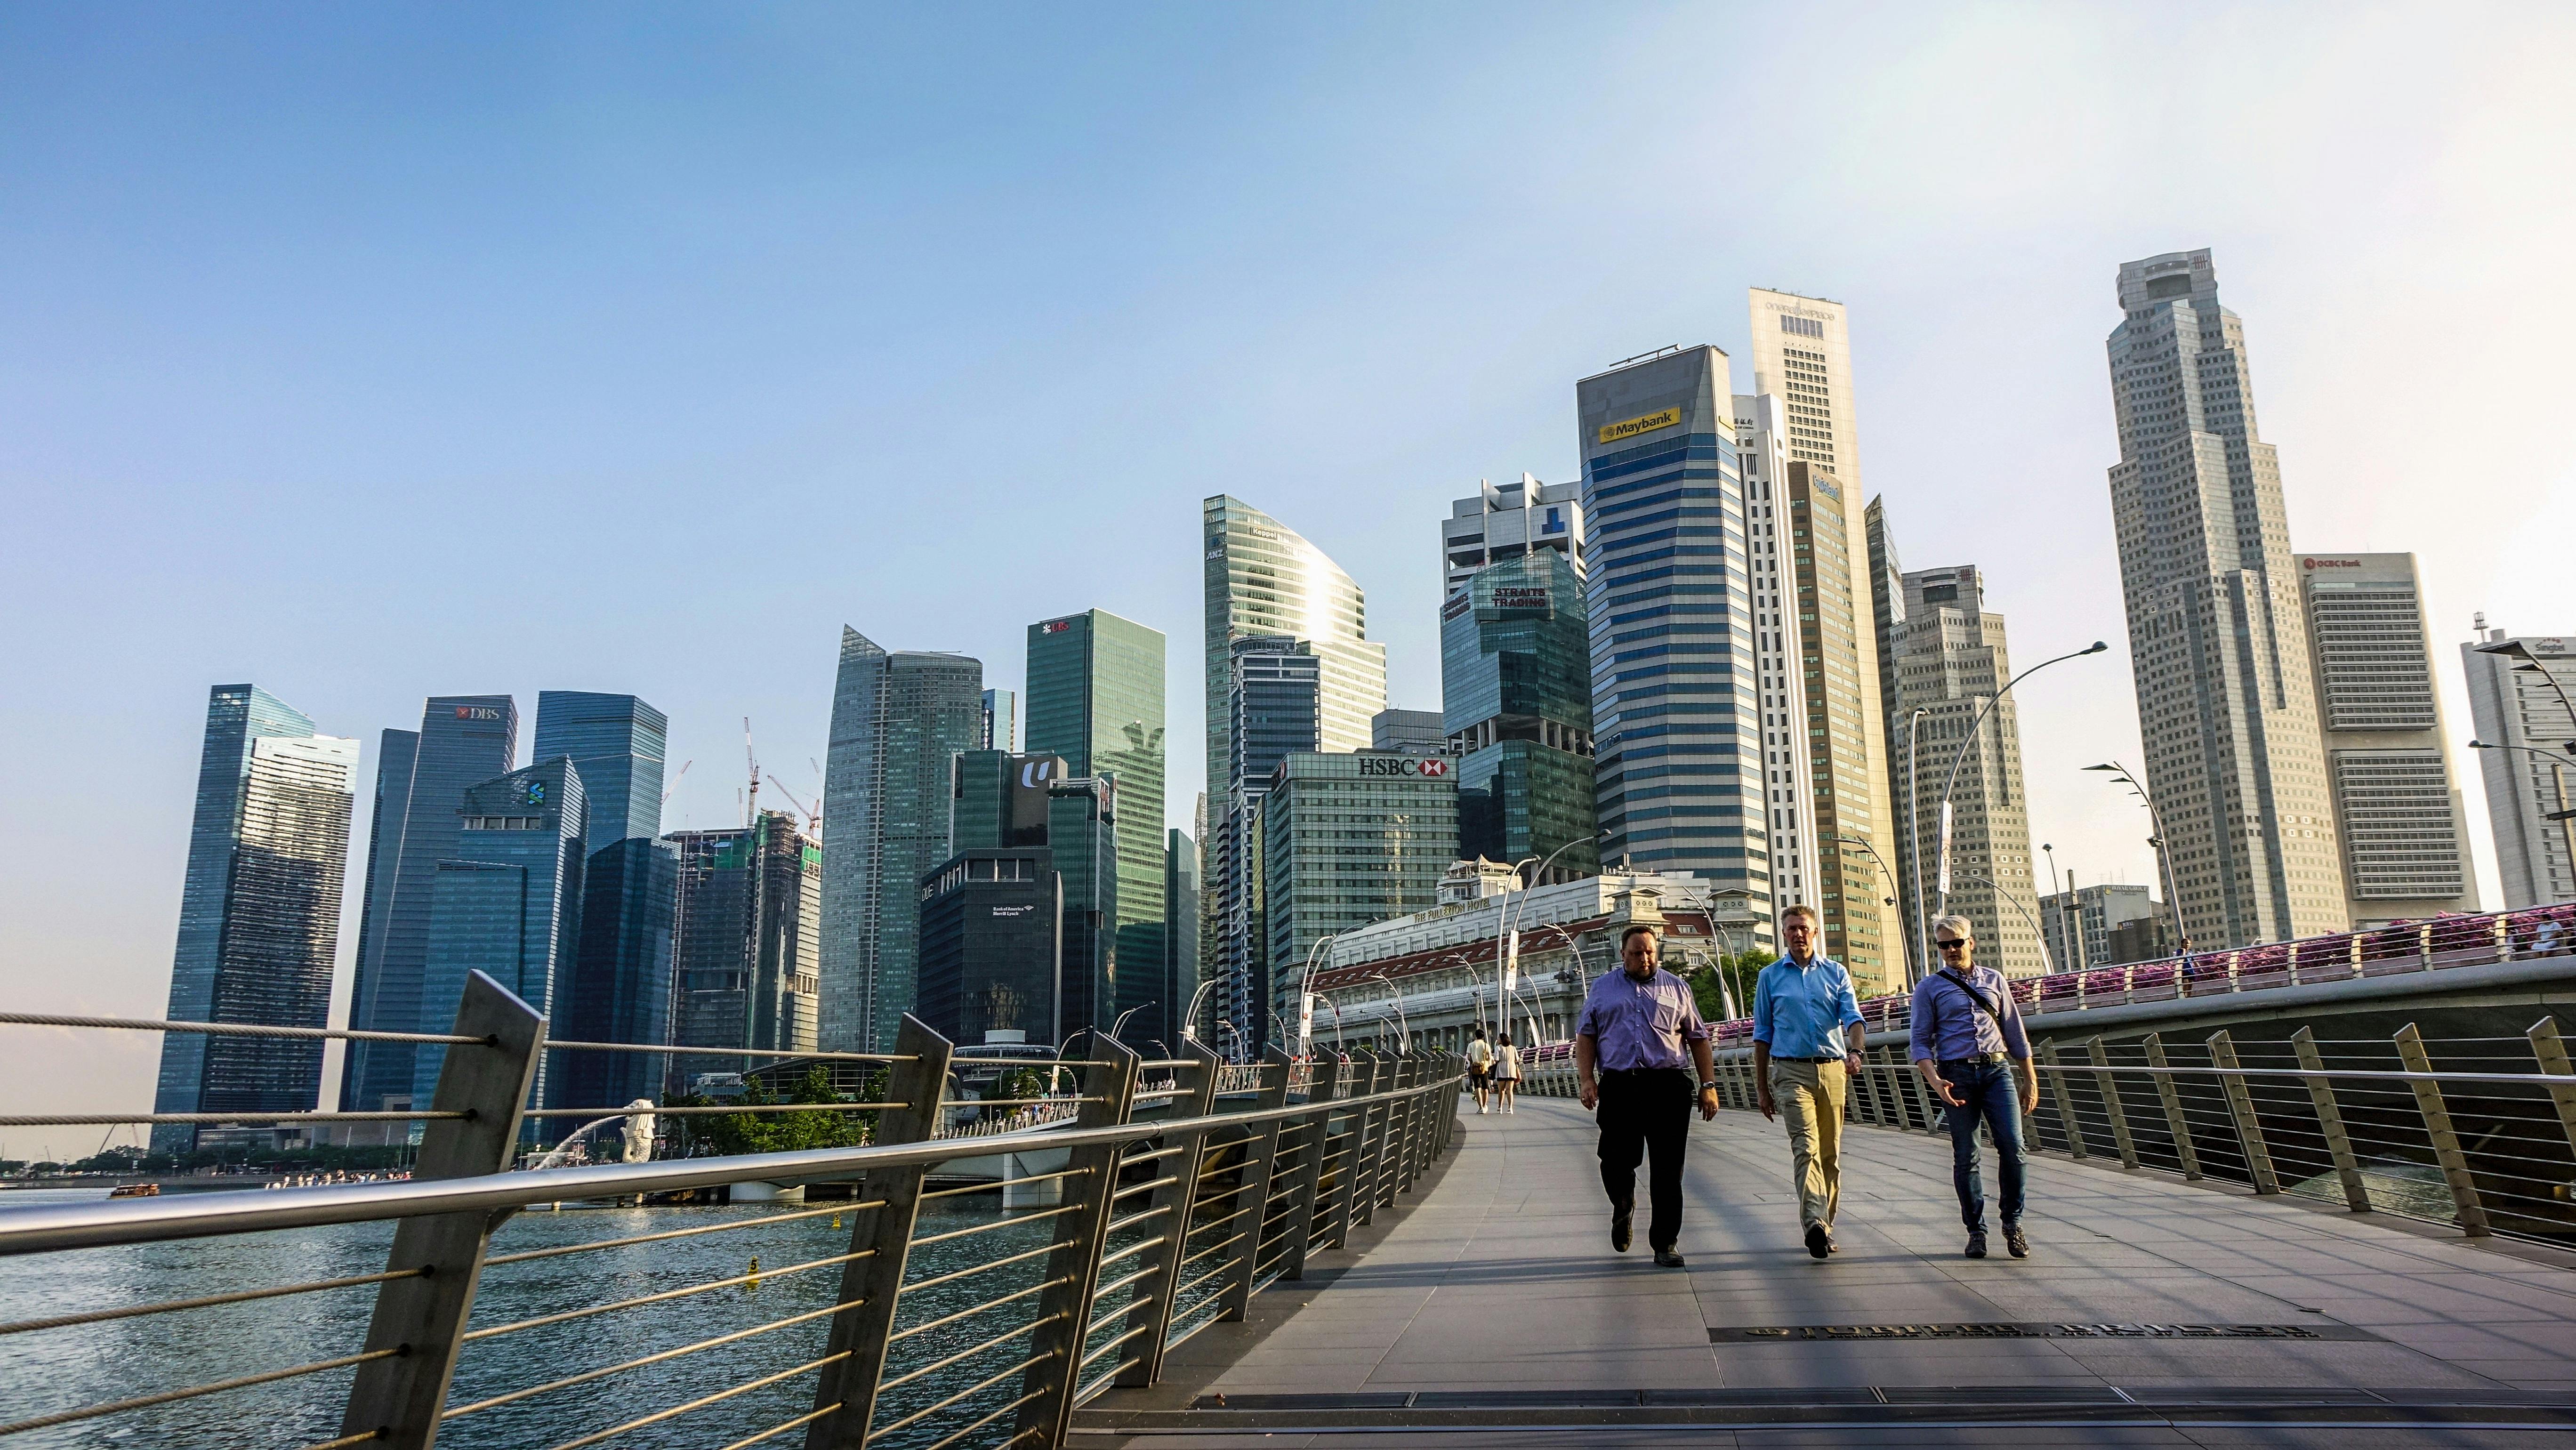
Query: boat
[[135, 1190]]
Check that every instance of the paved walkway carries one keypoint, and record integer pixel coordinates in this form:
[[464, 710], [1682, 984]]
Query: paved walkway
[[1494, 1300]]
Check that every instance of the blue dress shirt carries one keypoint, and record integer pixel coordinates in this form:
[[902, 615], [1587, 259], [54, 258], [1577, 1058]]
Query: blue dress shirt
[[1801, 1011]]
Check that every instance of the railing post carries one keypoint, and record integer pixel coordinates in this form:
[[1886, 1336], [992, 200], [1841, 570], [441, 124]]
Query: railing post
[[2064, 1099], [1863, 1095], [2356, 1194], [2240, 1109], [1260, 1154], [1310, 1174], [2551, 1053], [1920, 1093], [1152, 1311], [1360, 1204], [1064, 1310], [399, 1399], [2112, 1108], [870, 1286], [2179, 1126], [1390, 1140], [2446, 1141], [1345, 1169]]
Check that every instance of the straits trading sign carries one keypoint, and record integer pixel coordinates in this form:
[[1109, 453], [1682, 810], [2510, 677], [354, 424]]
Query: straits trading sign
[[1522, 596], [1631, 427], [1431, 766]]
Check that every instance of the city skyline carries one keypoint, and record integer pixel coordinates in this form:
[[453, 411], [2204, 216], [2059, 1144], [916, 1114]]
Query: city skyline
[[1443, 341]]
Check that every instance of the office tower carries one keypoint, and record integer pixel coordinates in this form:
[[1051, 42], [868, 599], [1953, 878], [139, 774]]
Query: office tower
[[2080, 923], [897, 719], [1887, 603], [1950, 662], [1802, 357], [463, 741], [1001, 723], [1516, 684], [1180, 924], [2398, 814], [2226, 704], [992, 947], [750, 914], [1031, 808], [2519, 686], [1408, 732], [1273, 709], [1507, 522], [621, 985], [259, 911], [1096, 699], [616, 742], [506, 901], [1788, 785], [1346, 840], [1841, 695], [1678, 774]]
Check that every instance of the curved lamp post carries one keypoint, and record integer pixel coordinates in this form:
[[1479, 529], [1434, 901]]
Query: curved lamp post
[[1942, 883], [2558, 763], [2047, 963], [2164, 855], [1120, 1025], [1904, 937], [1404, 1029]]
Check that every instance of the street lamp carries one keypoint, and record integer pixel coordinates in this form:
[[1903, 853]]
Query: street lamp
[[1942, 882], [1404, 1029], [2164, 851], [2558, 764], [1121, 1024], [1904, 947], [1509, 914], [2516, 649], [1914, 841], [2047, 963], [1190, 1019]]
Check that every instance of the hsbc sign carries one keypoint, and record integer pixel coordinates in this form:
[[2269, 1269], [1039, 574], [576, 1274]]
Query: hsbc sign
[[1430, 766]]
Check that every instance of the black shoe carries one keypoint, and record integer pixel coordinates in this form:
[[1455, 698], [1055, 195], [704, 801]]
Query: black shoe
[[1976, 1243], [1667, 1259], [1621, 1235], [2014, 1241], [1820, 1240], [1832, 1245]]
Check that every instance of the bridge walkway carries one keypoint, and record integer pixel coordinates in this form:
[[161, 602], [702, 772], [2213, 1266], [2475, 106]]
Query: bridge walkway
[[1493, 1306]]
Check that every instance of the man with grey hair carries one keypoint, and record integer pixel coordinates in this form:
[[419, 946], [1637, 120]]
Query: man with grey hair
[[1970, 1045]]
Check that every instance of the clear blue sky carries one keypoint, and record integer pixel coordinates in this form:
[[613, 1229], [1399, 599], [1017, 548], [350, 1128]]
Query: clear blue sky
[[374, 352]]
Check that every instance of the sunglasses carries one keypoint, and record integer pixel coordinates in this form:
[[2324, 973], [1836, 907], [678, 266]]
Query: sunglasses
[[1945, 943]]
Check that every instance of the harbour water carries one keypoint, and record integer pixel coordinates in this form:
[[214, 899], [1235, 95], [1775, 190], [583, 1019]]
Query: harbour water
[[51, 1370]]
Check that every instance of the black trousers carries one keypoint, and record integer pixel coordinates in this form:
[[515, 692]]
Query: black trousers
[[1643, 1112]]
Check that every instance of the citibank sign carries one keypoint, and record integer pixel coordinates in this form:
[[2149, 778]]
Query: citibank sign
[[1414, 765]]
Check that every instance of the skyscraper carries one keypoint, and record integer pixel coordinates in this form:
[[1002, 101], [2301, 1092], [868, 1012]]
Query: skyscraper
[[1495, 524], [2398, 815], [750, 912], [896, 721], [1346, 840], [1788, 781], [1408, 732], [621, 986], [1903, 764], [505, 901], [1950, 662], [1001, 722], [616, 742], [1180, 924], [2522, 715], [2226, 703], [463, 741], [1096, 699], [1027, 819], [1516, 683], [1675, 694], [1275, 708], [259, 911]]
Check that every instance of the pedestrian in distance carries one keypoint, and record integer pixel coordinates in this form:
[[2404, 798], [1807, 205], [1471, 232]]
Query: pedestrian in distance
[[1969, 1044], [1629, 1053], [1480, 1067], [1807, 1039], [1507, 1070]]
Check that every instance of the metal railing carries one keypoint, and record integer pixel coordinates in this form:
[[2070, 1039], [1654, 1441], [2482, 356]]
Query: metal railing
[[989, 1333], [2473, 1132]]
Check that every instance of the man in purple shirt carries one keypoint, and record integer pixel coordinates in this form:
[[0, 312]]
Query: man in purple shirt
[[1628, 1047], [1968, 1042]]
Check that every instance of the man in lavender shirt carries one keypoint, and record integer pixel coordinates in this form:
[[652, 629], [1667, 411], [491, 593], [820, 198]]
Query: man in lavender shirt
[[1628, 1047]]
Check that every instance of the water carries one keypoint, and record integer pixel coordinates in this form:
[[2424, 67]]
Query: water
[[67, 1368]]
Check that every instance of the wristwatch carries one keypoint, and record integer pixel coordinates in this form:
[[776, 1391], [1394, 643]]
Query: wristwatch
[[1708, 1087]]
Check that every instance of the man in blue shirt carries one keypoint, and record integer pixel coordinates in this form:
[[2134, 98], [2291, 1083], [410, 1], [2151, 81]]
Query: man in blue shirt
[[1807, 1039], [1968, 1042]]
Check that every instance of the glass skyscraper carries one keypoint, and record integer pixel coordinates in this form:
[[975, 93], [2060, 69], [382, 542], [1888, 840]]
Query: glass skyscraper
[[1678, 774], [1001, 721], [750, 913], [1346, 840], [1275, 710], [621, 983], [897, 721], [616, 742], [1095, 697], [1516, 686], [505, 901], [463, 741], [259, 911]]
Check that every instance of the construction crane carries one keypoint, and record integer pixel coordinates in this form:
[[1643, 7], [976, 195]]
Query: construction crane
[[813, 818], [674, 788], [751, 802]]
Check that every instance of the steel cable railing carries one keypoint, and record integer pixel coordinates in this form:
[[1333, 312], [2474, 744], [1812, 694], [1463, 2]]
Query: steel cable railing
[[940, 1331]]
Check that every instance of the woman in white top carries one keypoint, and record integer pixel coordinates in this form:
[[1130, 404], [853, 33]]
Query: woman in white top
[[1507, 1070]]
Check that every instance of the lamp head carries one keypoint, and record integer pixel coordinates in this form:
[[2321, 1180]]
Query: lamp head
[[2098, 647]]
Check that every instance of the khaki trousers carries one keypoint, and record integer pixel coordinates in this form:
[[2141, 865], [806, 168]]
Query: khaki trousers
[[1810, 1098]]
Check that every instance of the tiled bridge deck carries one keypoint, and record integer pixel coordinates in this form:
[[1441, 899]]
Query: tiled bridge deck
[[1490, 1310]]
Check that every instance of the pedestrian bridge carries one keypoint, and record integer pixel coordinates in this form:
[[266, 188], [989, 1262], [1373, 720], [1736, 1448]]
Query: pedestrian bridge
[[2151, 1312]]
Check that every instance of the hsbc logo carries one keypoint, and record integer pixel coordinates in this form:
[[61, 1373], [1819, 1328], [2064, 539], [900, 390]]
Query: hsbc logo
[[1431, 766], [1435, 767]]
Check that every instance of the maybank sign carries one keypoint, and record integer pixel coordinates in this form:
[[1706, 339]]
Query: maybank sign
[[1631, 427]]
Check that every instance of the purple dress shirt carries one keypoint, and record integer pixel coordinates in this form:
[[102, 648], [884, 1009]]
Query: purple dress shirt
[[1637, 1024]]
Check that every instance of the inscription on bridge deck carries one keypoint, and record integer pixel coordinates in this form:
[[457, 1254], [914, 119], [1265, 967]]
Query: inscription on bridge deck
[[1776, 1334]]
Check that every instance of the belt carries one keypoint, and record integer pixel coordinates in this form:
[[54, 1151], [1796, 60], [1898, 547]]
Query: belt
[[1982, 1059], [1775, 1057], [1637, 1071]]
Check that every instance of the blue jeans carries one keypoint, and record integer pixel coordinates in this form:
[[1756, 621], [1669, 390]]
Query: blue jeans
[[1988, 1093]]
